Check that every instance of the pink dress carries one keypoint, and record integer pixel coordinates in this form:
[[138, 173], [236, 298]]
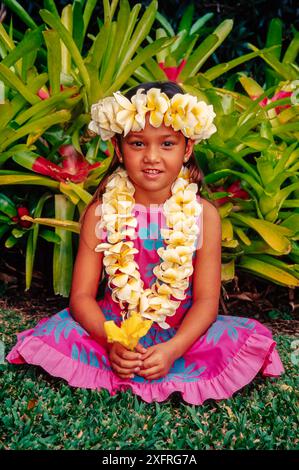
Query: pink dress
[[223, 360]]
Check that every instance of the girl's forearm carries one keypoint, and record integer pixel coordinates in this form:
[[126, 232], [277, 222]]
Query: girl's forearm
[[197, 320], [86, 311]]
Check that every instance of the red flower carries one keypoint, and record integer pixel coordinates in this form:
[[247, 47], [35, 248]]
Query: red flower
[[235, 190], [74, 166], [278, 96], [44, 94], [172, 73], [22, 210]]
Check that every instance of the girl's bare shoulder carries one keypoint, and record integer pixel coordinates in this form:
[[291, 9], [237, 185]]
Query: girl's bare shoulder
[[89, 224], [210, 212]]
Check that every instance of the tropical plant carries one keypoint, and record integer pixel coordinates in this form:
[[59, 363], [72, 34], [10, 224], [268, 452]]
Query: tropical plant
[[245, 154], [45, 113], [184, 58]]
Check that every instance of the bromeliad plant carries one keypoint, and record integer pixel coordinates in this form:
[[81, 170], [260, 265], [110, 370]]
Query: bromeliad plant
[[257, 228], [47, 104], [184, 58], [17, 229]]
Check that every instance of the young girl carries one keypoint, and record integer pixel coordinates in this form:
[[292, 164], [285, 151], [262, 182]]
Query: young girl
[[166, 265]]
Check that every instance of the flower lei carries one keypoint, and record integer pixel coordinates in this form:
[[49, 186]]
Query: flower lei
[[118, 114], [180, 211]]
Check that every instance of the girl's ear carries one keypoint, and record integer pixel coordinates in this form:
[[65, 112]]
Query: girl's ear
[[189, 149], [115, 144]]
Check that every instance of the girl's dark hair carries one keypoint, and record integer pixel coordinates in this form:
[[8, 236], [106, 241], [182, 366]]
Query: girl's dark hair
[[196, 175]]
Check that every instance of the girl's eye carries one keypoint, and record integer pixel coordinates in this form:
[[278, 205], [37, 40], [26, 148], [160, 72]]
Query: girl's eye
[[167, 143], [137, 143]]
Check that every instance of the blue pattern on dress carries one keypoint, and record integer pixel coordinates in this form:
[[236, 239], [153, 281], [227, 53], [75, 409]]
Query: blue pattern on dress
[[92, 360], [229, 325], [151, 237], [61, 322], [179, 371]]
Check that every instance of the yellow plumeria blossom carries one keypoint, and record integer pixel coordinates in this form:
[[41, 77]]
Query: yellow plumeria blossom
[[103, 116], [193, 118], [130, 331], [119, 115], [131, 116], [157, 104], [180, 210]]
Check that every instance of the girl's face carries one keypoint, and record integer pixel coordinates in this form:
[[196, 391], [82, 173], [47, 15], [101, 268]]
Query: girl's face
[[161, 149]]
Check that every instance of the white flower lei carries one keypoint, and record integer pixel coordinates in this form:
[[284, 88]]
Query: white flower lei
[[180, 211]]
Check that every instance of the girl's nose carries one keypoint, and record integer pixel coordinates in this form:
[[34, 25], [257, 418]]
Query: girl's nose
[[152, 154]]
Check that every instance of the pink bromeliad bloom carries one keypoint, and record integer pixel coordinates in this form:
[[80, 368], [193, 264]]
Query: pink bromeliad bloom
[[172, 73], [235, 190], [278, 96], [22, 210], [74, 166]]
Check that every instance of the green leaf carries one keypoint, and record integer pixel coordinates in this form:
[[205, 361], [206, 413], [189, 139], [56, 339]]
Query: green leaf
[[32, 40], [206, 49], [268, 271], [130, 27], [6, 39], [186, 20], [33, 126], [140, 58], [50, 5], [68, 225], [166, 25], [98, 48], [155, 70], [199, 57], [7, 206], [78, 22], [270, 232], [220, 69], [292, 50], [66, 37], [88, 10], [32, 240], [10, 241], [200, 23], [11, 80], [284, 70], [49, 235], [82, 193], [63, 254], [13, 178], [142, 30], [274, 37], [54, 59], [15, 7]]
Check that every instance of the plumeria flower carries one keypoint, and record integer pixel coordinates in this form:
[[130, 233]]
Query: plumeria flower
[[157, 104], [131, 115], [177, 115], [130, 331]]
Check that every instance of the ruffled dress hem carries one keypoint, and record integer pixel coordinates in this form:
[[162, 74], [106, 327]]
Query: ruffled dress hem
[[257, 354]]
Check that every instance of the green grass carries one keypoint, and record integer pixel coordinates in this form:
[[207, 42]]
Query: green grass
[[38, 411]]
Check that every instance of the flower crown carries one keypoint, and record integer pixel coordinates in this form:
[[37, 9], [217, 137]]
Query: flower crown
[[117, 114]]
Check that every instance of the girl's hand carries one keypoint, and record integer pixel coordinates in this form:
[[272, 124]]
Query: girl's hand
[[123, 361], [157, 361]]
